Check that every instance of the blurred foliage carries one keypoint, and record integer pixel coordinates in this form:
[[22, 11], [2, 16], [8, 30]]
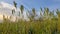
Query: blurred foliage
[[34, 27], [46, 24]]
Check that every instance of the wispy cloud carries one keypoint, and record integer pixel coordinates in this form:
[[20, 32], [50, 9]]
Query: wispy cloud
[[5, 8], [6, 5]]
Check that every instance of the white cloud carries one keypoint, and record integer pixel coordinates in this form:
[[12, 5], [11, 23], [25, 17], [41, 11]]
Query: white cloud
[[7, 5], [6, 8]]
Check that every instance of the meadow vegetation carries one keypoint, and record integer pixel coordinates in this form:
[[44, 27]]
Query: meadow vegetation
[[48, 23]]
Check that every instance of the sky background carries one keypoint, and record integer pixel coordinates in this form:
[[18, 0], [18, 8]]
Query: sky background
[[51, 4], [7, 5]]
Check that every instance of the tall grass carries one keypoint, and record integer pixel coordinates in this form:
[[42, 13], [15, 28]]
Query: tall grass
[[44, 25], [34, 27]]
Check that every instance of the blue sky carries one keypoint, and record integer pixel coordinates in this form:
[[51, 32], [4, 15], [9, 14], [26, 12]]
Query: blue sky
[[52, 4]]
